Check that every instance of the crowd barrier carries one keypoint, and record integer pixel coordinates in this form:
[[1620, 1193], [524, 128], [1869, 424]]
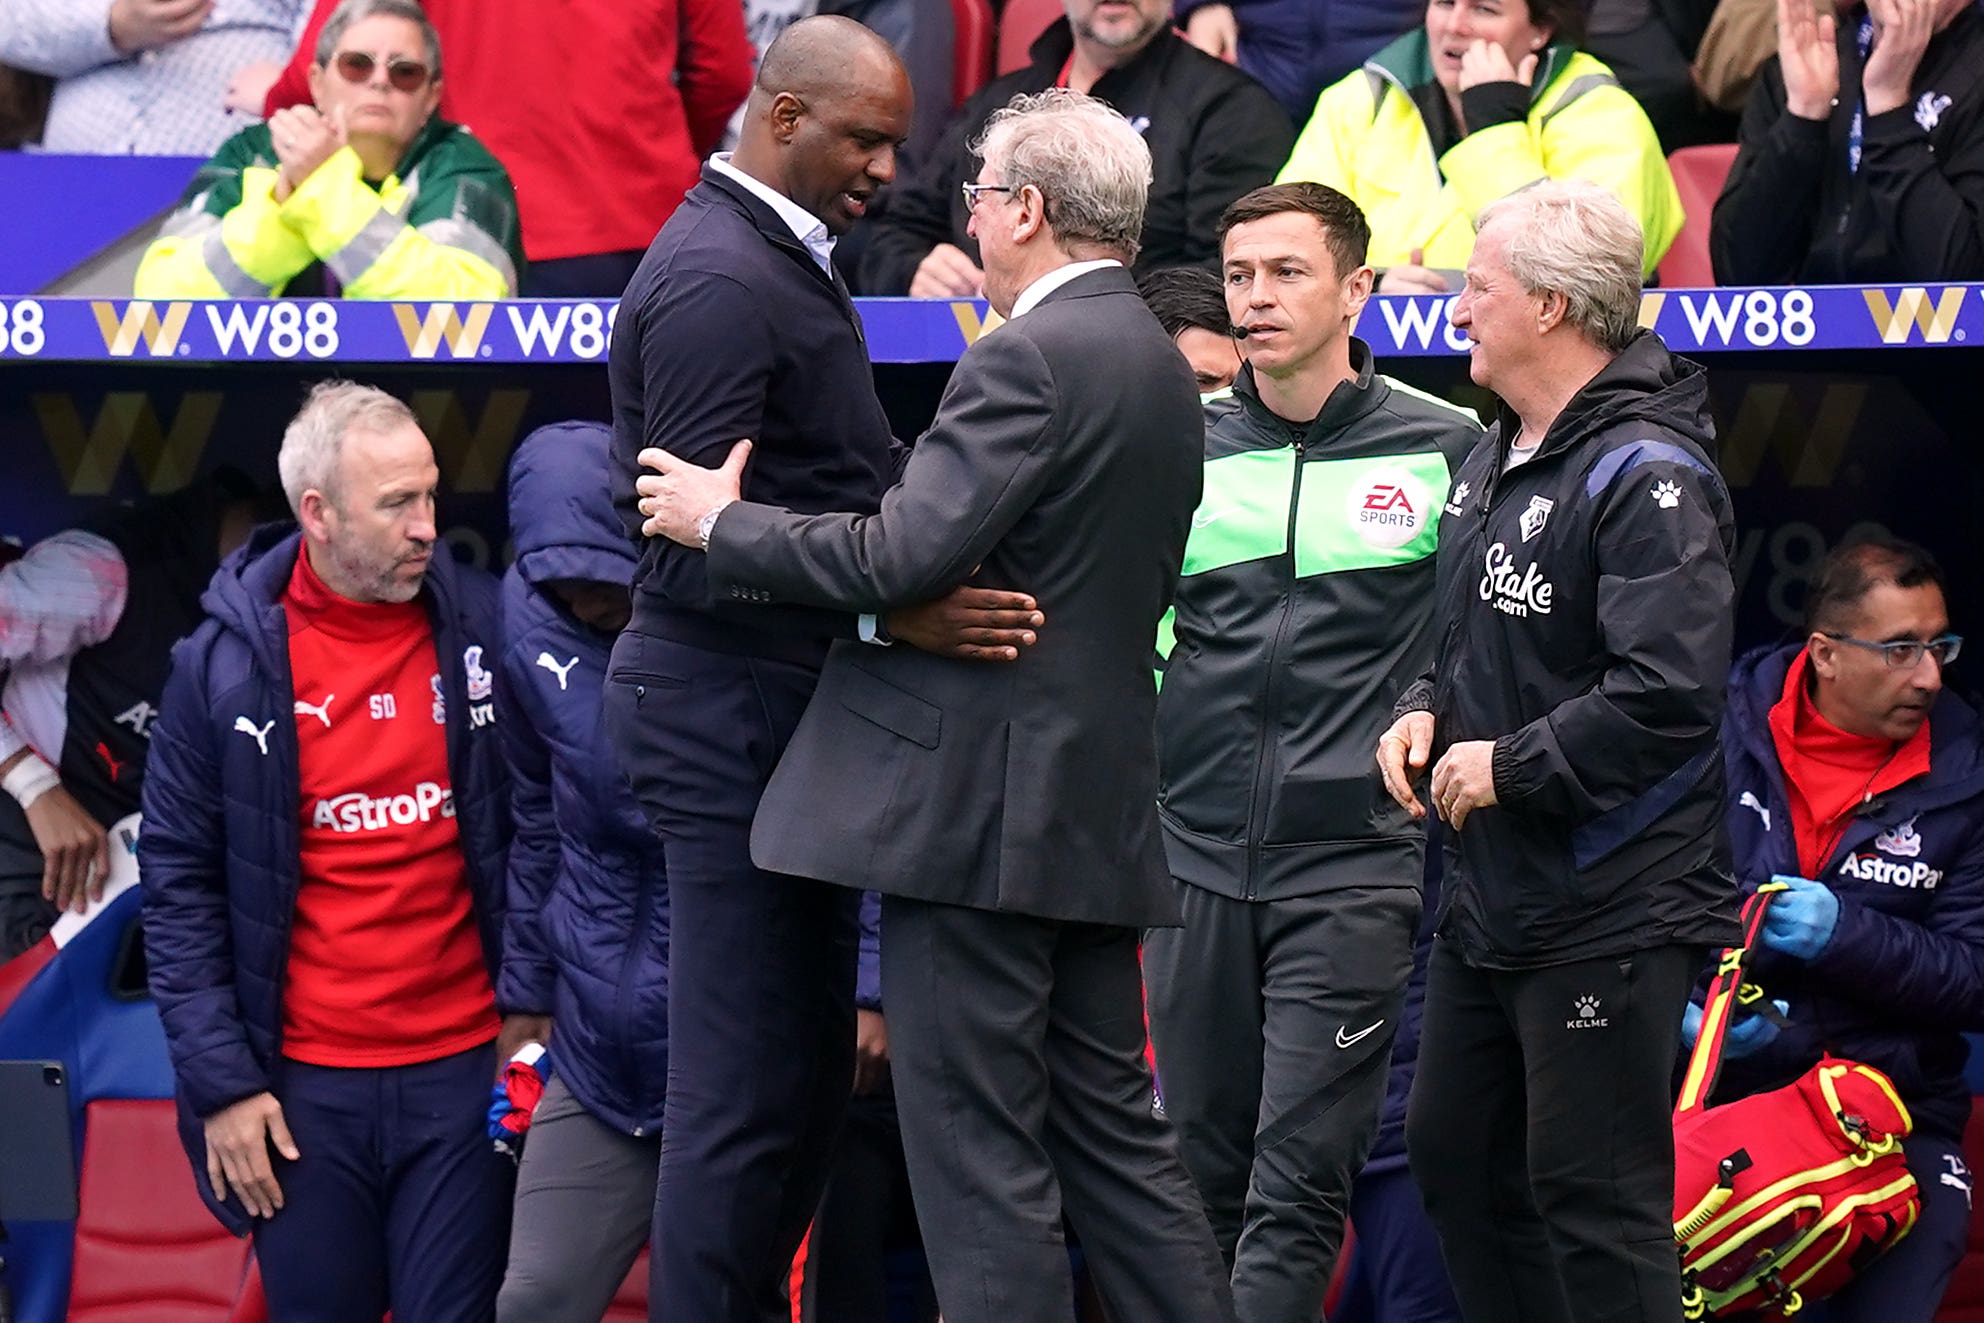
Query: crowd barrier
[[1835, 406]]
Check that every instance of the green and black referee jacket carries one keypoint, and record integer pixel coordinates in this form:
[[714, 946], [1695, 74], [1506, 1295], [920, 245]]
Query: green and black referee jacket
[[1304, 609]]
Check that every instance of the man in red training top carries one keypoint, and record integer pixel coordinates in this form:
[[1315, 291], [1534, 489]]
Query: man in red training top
[[322, 860]]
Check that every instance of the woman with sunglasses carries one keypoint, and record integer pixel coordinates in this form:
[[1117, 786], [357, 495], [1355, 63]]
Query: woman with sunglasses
[[366, 193]]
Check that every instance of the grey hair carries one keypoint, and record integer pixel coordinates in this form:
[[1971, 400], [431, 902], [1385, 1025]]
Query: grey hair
[[1092, 169], [351, 11], [1575, 238], [314, 440]]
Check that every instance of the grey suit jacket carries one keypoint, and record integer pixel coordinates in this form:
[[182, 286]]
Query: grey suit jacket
[[1065, 461]]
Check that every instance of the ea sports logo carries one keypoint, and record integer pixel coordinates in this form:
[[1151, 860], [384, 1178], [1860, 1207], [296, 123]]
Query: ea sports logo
[[1388, 507]]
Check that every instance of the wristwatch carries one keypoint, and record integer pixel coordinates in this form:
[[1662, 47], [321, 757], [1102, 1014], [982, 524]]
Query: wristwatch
[[707, 524]]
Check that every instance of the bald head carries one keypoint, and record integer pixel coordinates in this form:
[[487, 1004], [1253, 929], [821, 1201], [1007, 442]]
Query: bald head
[[831, 105], [826, 55]]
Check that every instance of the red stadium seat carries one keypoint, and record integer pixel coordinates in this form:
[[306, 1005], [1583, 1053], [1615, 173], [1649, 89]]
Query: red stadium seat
[[1023, 21], [146, 1247], [1964, 1301], [1698, 174], [976, 35], [630, 1302]]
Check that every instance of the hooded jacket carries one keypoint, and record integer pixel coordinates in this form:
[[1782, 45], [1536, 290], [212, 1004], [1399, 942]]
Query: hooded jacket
[[1213, 133], [1303, 610], [1369, 139], [586, 938], [1586, 606], [1902, 978], [1795, 210], [219, 855]]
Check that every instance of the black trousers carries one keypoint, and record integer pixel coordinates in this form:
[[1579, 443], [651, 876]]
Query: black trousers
[[864, 1216], [1017, 1048], [1541, 1134], [761, 981], [1273, 1022]]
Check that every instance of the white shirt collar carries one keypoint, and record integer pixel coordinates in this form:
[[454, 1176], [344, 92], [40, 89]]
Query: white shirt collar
[[1031, 296], [809, 229]]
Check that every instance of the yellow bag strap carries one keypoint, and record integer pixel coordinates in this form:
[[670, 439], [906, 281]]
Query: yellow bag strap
[[1725, 992]]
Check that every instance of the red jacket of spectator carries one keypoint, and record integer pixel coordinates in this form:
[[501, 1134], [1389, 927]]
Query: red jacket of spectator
[[601, 110]]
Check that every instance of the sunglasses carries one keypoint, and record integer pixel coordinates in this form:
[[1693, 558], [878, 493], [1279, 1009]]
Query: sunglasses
[[405, 75]]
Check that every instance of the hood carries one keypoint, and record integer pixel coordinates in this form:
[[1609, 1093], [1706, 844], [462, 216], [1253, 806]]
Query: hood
[[1956, 756], [242, 597], [1407, 64], [1644, 383], [562, 521]]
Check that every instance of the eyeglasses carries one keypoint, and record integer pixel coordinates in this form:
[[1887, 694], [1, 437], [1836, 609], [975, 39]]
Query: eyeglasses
[[971, 192], [1906, 654], [405, 75]]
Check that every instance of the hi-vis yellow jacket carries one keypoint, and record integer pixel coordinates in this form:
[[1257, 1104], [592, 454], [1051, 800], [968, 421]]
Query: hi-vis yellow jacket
[[441, 226], [1368, 140]]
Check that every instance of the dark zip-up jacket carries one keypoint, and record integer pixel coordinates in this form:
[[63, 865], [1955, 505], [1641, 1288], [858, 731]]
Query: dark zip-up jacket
[[220, 851], [586, 938], [1304, 609], [1585, 599], [1794, 211], [730, 329], [1902, 978], [1213, 133]]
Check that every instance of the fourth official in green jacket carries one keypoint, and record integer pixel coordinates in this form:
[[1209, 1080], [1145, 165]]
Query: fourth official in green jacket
[[1304, 608]]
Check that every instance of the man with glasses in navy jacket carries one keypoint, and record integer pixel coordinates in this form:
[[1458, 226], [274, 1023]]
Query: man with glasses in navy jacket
[[1858, 779]]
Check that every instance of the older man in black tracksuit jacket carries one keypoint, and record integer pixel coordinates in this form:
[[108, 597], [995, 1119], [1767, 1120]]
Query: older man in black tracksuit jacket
[[1585, 601]]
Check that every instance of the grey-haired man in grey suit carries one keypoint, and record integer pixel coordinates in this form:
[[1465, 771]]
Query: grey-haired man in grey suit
[[1008, 814]]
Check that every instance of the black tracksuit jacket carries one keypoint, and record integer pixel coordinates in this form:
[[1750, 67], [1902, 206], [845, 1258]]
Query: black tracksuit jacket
[[1585, 601]]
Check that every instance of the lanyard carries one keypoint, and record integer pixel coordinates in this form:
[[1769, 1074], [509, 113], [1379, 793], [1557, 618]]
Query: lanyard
[[1864, 39]]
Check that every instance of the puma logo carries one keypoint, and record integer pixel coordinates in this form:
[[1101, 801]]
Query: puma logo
[[321, 711], [260, 733], [116, 766], [550, 663]]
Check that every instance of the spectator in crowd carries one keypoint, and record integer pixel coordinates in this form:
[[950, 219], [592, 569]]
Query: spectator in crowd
[[586, 935], [326, 814], [1741, 37], [1489, 96], [88, 618], [367, 192], [843, 1273], [1862, 156], [601, 110], [1295, 47], [1013, 886], [142, 77], [735, 326], [1585, 617], [1190, 304], [1214, 133], [1273, 1008], [1649, 45], [1856, 777]]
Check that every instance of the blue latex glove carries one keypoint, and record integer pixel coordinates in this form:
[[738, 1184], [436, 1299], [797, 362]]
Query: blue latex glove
[[1800, 921], [1744, 1036]]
